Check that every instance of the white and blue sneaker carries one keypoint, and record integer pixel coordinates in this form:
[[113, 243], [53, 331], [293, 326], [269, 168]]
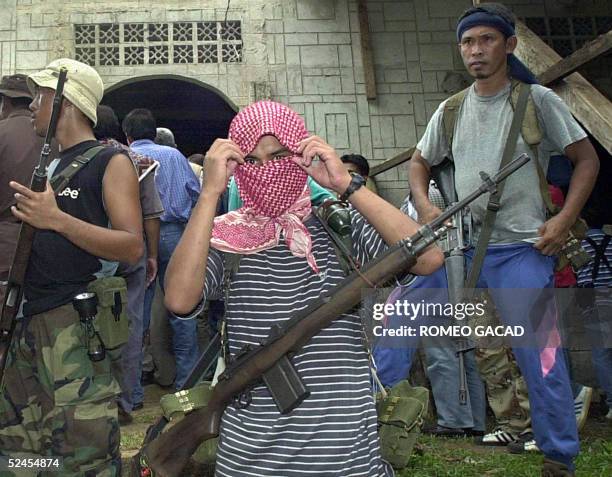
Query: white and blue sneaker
[[581, 406], [497, 437]]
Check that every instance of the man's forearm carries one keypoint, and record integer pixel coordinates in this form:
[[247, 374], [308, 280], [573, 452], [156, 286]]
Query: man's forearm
[[116, 245], [151, 228], [586, 168], [186, 273], [393, 226], [419, 176]]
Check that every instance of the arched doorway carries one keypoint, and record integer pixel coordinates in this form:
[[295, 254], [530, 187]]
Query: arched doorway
[[196, 113]]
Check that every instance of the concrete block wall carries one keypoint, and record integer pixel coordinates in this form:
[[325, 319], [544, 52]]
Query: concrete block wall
[[304, 52]]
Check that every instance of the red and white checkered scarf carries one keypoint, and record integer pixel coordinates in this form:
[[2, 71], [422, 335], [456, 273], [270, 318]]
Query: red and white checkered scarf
[[276, 197]]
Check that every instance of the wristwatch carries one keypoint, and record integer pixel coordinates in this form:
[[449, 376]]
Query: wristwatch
[[356, 182]]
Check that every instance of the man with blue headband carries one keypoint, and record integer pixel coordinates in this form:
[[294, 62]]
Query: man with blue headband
[[523, 241]]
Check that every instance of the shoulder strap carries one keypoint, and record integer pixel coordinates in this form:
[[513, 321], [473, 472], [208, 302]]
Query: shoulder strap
[[495, 199], [530, 127], [343, 245], [231, 262], [532, 135], [61, 180], [449, 115]]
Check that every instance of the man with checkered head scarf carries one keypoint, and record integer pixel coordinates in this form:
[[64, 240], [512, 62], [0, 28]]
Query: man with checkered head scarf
[[57, 401], [287, 262]]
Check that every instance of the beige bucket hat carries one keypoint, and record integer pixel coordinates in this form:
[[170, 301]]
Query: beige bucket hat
[[83, 87]]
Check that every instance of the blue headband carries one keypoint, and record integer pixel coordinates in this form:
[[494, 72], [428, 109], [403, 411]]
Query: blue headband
[[516, 67]]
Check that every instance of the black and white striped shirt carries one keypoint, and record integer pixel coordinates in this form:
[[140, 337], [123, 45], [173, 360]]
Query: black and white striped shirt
[[334, 431]]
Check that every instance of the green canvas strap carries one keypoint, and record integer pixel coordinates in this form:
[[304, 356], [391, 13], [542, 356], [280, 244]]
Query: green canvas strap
[[343, 245], [449, 115], [61, 180], [495, 199]]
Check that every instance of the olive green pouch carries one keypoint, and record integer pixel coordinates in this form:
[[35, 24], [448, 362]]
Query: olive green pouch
[[400, 418], [112, 319], [177, 404]]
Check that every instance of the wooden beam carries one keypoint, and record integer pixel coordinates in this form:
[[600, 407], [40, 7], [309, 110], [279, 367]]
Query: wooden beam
[[393, 162], [568, 65], [366, 50], [586, 103]]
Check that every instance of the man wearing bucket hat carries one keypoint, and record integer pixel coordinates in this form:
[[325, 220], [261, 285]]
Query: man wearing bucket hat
[[19, 152], [58, 401]]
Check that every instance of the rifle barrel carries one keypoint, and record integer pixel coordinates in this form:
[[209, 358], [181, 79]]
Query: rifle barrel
[[21, 257]]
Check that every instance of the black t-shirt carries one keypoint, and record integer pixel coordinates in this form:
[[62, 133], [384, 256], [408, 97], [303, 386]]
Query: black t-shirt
[[58, 270]]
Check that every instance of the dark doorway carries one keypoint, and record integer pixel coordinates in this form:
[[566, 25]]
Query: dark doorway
[[197, 114]]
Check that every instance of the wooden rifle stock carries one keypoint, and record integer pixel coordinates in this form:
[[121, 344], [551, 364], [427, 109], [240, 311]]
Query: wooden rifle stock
[[169, 453], [14, 288]]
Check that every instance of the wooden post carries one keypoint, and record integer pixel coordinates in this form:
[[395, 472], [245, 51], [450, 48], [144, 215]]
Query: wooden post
[[366, 50], [568, 65], [586, 103]]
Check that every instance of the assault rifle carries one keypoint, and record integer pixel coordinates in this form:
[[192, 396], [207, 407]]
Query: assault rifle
[[168, 454], [444, 176], [16, 278]]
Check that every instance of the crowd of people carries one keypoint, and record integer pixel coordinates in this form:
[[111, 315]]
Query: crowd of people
[[138, 209]]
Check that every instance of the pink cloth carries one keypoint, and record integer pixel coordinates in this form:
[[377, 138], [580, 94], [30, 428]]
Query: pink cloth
[[276, 197]]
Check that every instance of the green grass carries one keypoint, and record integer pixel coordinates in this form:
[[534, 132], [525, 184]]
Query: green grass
[[460, 458]]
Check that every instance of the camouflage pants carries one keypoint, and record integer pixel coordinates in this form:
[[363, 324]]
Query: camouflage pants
[[56, 402], [506, 388]]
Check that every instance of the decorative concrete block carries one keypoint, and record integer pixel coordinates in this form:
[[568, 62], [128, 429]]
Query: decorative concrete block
[[322, 85], [319, 56], [398, 11], [388, 49], [436, 57], [315, 10]]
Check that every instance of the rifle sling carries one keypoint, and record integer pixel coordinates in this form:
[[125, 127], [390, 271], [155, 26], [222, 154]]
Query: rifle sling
[[61, 180], [495, 199]]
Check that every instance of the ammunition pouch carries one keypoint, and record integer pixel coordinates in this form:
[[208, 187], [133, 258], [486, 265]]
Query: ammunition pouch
[[573, 253], [176, 405], [111, 320], [400, 419]]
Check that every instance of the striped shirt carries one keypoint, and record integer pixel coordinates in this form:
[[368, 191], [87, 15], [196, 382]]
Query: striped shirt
[[604, 274], [334, 431]]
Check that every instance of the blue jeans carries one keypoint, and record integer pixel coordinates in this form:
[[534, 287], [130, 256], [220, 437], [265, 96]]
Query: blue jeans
[[185, 337], [393, 364], [131, 353]]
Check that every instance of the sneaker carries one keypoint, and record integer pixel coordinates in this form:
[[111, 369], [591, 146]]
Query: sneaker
[[552, 468], [524, 443], [498, 437], [581, 406]]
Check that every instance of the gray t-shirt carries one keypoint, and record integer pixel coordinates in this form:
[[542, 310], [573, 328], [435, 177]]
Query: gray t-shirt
[[481, 129]]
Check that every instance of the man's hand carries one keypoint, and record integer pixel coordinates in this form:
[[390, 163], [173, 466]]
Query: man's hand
[[151, 271], [328, 171], [554, 234], [219, 165], [39, 209]]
